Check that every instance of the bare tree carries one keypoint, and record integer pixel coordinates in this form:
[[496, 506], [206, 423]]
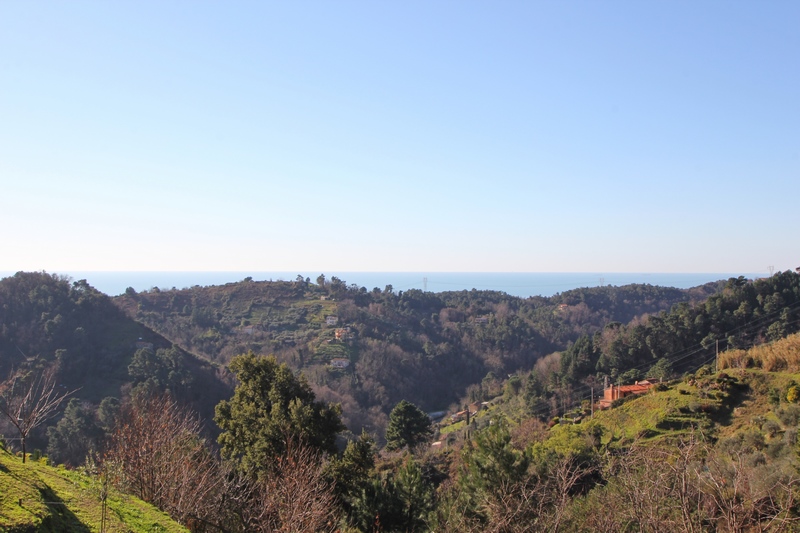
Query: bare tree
[[295, 496], [743, 496], [29, 399], [156, 453], [656, 484]]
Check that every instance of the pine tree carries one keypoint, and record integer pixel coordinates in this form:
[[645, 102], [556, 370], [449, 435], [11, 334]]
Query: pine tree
[[408, 426]]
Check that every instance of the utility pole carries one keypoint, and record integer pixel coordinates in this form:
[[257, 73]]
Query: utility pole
[[425, 284], [771, 270], [592, 402]]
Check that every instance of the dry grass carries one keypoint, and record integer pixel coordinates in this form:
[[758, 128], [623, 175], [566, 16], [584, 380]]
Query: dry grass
[[779, 356]]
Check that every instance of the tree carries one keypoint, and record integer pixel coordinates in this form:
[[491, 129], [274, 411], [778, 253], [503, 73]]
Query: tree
[[75, 436], [162, 370], [661, 370], [30, 399], [408, 426], [270, 407], [156, 453], [296, 496], [402, 501], [350, 473]]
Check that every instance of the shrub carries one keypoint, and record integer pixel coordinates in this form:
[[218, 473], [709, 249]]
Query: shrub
[[793, 394], [790, 437], [771, 428], [774, 396], [789, 415]]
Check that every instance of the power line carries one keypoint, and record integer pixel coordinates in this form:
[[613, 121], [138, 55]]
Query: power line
[[585, 391]]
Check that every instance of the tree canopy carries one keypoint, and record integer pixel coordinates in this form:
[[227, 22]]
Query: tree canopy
[[271, 407], [408, 426]]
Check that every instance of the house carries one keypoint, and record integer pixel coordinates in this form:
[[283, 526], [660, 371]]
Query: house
[[340, 362], [482, 320], [616, 392], [331, 320], [466, 413], [247, 330], [342, 334]]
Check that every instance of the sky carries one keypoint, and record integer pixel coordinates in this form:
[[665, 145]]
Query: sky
[[450, 136]]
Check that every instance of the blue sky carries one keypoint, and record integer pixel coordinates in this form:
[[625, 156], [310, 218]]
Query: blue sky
[[400, 136]]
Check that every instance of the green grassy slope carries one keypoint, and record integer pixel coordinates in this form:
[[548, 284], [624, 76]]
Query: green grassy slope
[[37, 497]]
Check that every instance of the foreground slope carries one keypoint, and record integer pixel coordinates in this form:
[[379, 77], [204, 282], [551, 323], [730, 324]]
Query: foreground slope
[[41, 498]]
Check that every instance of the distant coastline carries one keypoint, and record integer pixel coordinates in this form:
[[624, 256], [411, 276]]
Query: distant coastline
[[522, 284]]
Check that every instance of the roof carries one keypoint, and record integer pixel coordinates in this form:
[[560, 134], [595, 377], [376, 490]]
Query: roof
[[633, 388]]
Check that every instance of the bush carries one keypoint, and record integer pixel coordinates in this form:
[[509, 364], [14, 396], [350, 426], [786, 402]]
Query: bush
[[789, 415], [776, 449], [790, 437], [774, 396], [793, 394], [771, 428]]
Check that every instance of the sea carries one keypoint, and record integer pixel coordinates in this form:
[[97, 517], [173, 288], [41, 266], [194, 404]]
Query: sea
[[521, 284]]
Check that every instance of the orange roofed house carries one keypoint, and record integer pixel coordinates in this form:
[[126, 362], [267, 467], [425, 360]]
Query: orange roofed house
[[615, 392]]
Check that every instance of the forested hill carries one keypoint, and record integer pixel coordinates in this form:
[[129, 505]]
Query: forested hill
[[369, 349], [50, 320]]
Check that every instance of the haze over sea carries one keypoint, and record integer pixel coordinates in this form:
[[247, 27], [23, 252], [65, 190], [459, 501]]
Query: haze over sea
[[522, 284]]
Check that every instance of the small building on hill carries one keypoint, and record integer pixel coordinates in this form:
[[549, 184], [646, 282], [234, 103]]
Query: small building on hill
[[466, 413], [616, 392]]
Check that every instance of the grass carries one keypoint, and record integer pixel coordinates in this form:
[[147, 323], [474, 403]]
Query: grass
[[671, 413], [38, 497], [685, 407], [782, 355]]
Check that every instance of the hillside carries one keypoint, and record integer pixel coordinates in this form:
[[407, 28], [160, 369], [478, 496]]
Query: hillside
[[535, 458], [47, 321], [706, 452], [37, 497], [370, 349]]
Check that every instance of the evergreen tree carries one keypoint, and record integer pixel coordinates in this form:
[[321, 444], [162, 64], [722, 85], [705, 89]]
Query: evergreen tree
[[408, 426], [270, 407], [399, 502], [75, 436], [350, 474]]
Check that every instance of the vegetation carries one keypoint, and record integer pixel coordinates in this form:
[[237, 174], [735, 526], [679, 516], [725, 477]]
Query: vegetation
[[408, 427], [59, 337], [29, 400], [270, 408], [38, 497], [711, 447], [428, 349]]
